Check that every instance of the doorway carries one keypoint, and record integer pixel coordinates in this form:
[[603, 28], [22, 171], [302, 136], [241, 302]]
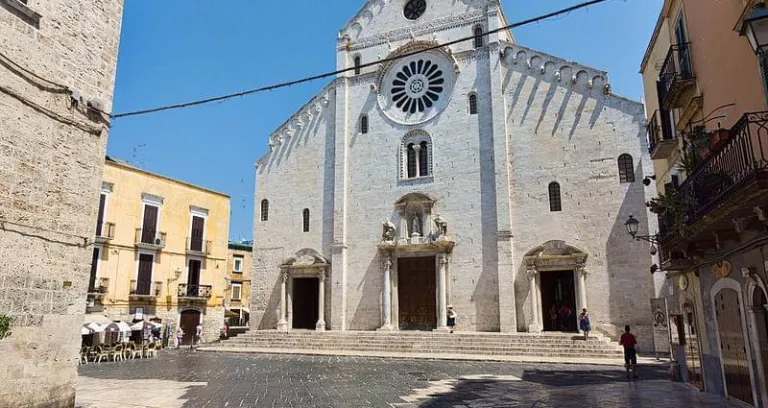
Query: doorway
[[305, 303], [558, 301], [188, 322], [417, 293], [692, 347], [733, 347]]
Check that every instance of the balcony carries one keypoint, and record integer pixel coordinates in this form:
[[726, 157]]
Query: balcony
[[100, 288], [105, 232], [728, 183], [661, 136], [676, 77], [150, 239], [144, 289], [194, 292], [198, 246]]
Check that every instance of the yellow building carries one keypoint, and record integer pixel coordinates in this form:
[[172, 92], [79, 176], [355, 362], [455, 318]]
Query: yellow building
[[161, 251], [239, 263]]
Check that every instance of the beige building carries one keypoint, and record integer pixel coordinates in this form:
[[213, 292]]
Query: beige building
[[239, 261], [55, 82], [708, 131], [161, 251]]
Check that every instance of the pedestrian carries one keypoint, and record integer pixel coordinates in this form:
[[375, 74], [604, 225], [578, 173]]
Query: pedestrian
[[553, 317], [452, 318], [565, 317], [629, 342], [179, 337], [198, 336], [584, 324]]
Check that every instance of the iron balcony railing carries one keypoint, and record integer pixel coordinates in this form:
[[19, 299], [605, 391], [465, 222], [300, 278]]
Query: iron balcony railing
[[150, 238], [145, 288], [105, 231], [676, 71], [100, 287], [660, 131], [198, 245], [742, 160], [194, 291]]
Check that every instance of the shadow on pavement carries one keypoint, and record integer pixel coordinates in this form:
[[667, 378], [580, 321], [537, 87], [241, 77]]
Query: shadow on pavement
[[573, 378]]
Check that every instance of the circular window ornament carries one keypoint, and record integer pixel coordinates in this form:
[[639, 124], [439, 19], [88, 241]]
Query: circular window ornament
[[414, 9], [415, 89]]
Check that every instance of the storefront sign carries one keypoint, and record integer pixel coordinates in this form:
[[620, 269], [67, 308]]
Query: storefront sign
[[661, 328]]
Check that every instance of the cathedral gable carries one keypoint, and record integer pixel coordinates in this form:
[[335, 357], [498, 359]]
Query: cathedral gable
[[383, 17]]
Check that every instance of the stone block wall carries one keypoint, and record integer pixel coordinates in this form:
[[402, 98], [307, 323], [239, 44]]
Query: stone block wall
[[51, 155]]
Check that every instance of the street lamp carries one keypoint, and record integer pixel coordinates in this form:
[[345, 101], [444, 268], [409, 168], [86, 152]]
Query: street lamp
[[633, 225], [755, 27]]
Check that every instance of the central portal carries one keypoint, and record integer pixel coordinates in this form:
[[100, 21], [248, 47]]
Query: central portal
[[558, 299], [305, 302], [417, 293]]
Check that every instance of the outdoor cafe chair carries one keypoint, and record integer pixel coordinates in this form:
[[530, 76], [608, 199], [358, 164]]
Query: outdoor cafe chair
[[117, 353], [100, 353], [131, 351], [85, 353], [151, 351]]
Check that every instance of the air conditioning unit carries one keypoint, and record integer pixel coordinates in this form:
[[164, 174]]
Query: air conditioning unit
[[158, 241]]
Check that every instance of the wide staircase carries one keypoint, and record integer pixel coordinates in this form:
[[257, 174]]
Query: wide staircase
[[522, 347]]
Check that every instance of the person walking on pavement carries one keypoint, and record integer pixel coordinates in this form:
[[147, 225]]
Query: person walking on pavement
[[629, 342], [198, 337], [584, 324], [179, 337], [452, 318]]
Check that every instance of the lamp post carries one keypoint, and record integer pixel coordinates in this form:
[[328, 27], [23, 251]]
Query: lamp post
[[755, 28], [633, 225]]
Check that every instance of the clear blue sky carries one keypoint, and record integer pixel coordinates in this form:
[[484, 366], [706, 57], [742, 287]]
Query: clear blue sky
[[178, 50]]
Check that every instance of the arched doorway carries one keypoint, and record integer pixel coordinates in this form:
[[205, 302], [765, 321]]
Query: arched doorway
[[733, 346], [759, 316], [692, 346], [188, 322]]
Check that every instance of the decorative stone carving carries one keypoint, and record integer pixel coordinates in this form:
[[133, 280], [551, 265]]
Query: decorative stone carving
[[581, 269], [442, 227], [530, 269], [389, 231], [416, 226], [305, 260]]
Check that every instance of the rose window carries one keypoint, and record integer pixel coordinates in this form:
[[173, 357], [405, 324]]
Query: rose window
[[414, 9], [417, 86]]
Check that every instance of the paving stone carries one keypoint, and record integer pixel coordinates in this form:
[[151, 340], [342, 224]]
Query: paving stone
[[194, 380]]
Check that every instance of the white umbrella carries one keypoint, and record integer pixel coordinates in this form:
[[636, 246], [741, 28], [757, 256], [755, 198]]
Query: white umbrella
[[124, 327], [96, 318], [85, 331], [94, 327]]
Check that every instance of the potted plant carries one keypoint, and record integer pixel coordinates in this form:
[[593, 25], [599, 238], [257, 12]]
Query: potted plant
[[718, 139], [5, 326]]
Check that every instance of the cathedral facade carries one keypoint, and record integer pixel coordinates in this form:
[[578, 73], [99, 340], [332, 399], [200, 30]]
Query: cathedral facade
[[479, 174]]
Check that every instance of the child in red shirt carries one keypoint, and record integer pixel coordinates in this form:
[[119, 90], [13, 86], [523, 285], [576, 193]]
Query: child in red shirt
[[629, 342]]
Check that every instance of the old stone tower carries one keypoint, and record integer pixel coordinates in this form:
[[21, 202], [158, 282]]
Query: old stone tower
[[483, 174], [57, 71]]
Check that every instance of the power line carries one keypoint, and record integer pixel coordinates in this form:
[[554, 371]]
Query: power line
[[364, 65]]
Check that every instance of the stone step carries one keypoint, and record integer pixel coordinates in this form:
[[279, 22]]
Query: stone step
[[441, 342]]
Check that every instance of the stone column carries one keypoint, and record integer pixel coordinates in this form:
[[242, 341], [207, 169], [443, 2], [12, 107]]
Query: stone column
[[320, 326], [417, 149], [282, 324], [534, 326], [442, 296], [581, 270], [387, 303]]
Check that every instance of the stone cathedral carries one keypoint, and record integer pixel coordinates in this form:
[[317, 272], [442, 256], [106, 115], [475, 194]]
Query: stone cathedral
[[481, 174]]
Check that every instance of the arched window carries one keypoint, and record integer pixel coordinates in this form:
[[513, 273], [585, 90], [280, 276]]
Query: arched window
[[412, 161], [478, 37], [357, 63], [555, 202], [626, 169], [364, 124], [264, 210], [416, 155], [472, 104], [305, 216]]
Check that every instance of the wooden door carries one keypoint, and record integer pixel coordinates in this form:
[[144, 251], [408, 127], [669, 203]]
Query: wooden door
[[733, 347], [196, 240], [188, 322], [417, 293], [193, 277], [149, 228], [144, 279]]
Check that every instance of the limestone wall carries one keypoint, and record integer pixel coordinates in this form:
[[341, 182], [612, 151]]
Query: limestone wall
[[51, 157]]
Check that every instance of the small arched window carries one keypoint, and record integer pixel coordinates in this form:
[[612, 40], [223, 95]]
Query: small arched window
[[626, 169], [264, 210], [364, 124], [412, 161], [305, 216], [357, 62], [423, 159], [478, 37], [555, 201], [473, 104]]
